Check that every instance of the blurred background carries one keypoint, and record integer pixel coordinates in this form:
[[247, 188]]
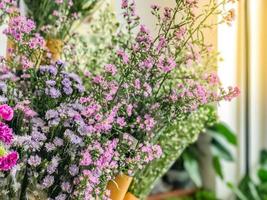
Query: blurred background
[[242, 46]]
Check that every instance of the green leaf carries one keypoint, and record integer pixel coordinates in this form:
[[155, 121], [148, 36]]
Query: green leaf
[[217, 166], [221, 151], [263, 157], [262, 174], [223, 130], [254, 191], [237, 192], [191, 166]]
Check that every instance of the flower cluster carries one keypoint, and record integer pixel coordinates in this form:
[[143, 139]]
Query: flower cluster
[[7, 160], [57, 17], [75, 133]]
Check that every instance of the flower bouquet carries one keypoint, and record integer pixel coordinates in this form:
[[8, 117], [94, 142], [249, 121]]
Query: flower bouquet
[[76, 135]]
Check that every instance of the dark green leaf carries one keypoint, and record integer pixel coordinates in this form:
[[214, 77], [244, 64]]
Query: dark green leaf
[[237, 192], [217, 166], [262, 174], [221, 151], [223, 130], [263, 157]]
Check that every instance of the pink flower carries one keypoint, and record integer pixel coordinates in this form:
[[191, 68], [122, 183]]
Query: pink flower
[[166, 65], [6, 112], [6, 135], [111, 69], [8, 161], [123, 55], [86, 159]]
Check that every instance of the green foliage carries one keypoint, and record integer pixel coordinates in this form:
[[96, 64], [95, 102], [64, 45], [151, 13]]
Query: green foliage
[[250, 189]]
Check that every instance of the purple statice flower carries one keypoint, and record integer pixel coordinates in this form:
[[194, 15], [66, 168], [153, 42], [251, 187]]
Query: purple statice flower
[[66, 187], [50, 83], [3, 87], [52, 70], [68, 90], [66, 82], [6, 135], [34, 161], [80, 88], [73, 170], [54, 93], [50, 146], [51, 114], [3, 99], [74, 139], [61, 197], [48, 181], [52, 167], [75, 78], [38, 136], [58, 142]]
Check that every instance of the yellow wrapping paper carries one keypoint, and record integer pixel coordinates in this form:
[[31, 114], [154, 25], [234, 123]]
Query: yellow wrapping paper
[[119, 187], [130, 196], [10, 45], [55, 47]]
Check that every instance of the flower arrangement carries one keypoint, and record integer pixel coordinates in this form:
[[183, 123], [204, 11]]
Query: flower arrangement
[[58, 17], [76, 132]]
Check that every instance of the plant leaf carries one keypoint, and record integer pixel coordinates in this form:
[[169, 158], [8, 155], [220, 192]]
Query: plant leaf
[[254, 191], [217, 166], [262, 174], [221, 151], [223, 130], [263, 157], [237, 192], [191, 166]]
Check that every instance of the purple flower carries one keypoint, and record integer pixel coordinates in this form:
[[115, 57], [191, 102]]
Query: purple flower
[[80, 88], [67, 90], [66, 187], [50, 83], [51, 114], [34, 161], [73, 170], [54, 93], [48, 181], [6, 135], [66, 82], [50, 146], [61, 197], [58, 142], [52, 167]]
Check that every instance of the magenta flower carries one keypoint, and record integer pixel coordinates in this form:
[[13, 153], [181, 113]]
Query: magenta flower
[[8, 161], [6, 135], [6, 112]]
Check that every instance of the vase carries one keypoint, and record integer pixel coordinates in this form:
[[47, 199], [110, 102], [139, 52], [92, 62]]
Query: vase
[[55, 47], [182, 133], [119, 187]]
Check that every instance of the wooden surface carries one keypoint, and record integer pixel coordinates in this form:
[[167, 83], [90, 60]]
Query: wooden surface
[[175, 193]]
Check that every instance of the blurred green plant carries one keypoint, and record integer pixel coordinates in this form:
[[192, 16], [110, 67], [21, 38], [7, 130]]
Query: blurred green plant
[[250, 189], [222, 137]]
